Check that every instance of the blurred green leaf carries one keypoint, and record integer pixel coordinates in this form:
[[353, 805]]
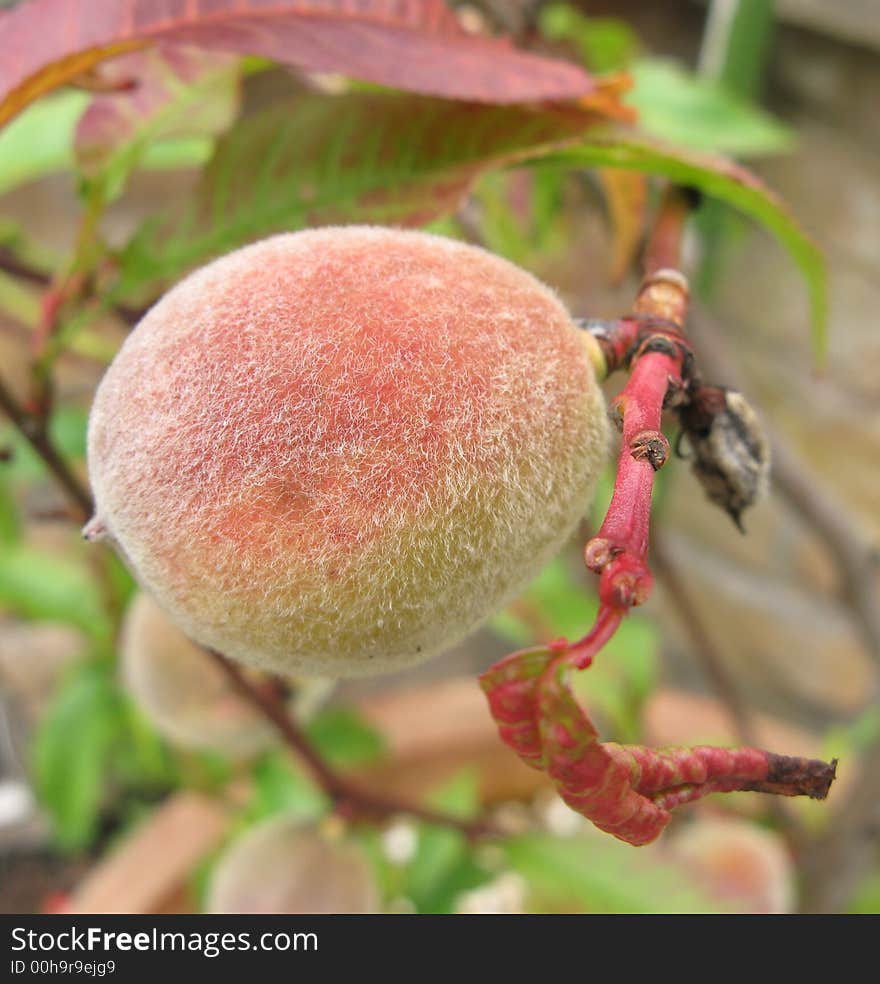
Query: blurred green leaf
[[557, 600], [621, 679], [867, 897], [280, 787], [68, 431], [604, 43], [719, 178], [519, 213], [596, 873], [91, 741], [71, 750], [140, 757], [45, 586], [855, 737], [40, 140], [382, 157], [344, 738], [180, 93], [443, 866], [459, 796], [692, 112], [18, 300], [10, 527]]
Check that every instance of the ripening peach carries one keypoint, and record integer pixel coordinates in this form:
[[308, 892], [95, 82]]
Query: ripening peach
[[281, 866], [338, 451], [185, 695], [739, 862]]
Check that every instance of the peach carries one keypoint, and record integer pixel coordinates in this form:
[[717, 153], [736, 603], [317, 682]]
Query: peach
[[282, 866], [184, 694], [338, 451], [740, 862]]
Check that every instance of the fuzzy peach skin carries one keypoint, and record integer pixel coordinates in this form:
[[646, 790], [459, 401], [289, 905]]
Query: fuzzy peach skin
[[338, 451], [182, 691]]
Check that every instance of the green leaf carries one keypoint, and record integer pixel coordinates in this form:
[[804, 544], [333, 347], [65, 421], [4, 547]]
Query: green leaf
[[39, 142], [696, 113], [866, 900], [280, 787], [344, 738], [91, 741], [621, 679], [180, 93], [71, 751], [718, 178], [442, 866], [10, 526], [564, 605], [140, 758], [604, 43], [595, 873], [381, 157], [50, 587], [68, 431]]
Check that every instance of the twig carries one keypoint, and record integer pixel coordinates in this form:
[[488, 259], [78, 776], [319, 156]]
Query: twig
[[707, 653], [703, 643], [16, 267], [839, 857], [37, 435], [629, 790], [11, 264], [347, 797], [854, 555]]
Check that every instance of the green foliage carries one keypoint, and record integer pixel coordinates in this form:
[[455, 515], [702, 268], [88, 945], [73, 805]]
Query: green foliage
[[595, 873], [344, 738], [719, 179], [673, 103], [866, 900], [603, 43], [280, 786], [443, 865], [362, 157], [40, 141], [90, 741], [691, 112], [67, 429], [184, 107], [10, 524], [41, 585]]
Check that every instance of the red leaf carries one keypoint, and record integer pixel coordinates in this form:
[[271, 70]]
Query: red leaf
[[417, 45], [176, 91]]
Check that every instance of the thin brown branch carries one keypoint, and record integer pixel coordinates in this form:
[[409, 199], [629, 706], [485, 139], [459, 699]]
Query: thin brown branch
[[704, 645], [37, 435], [346, 796], [839, 857], [853, 553], [707, 652], [16, 267]]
